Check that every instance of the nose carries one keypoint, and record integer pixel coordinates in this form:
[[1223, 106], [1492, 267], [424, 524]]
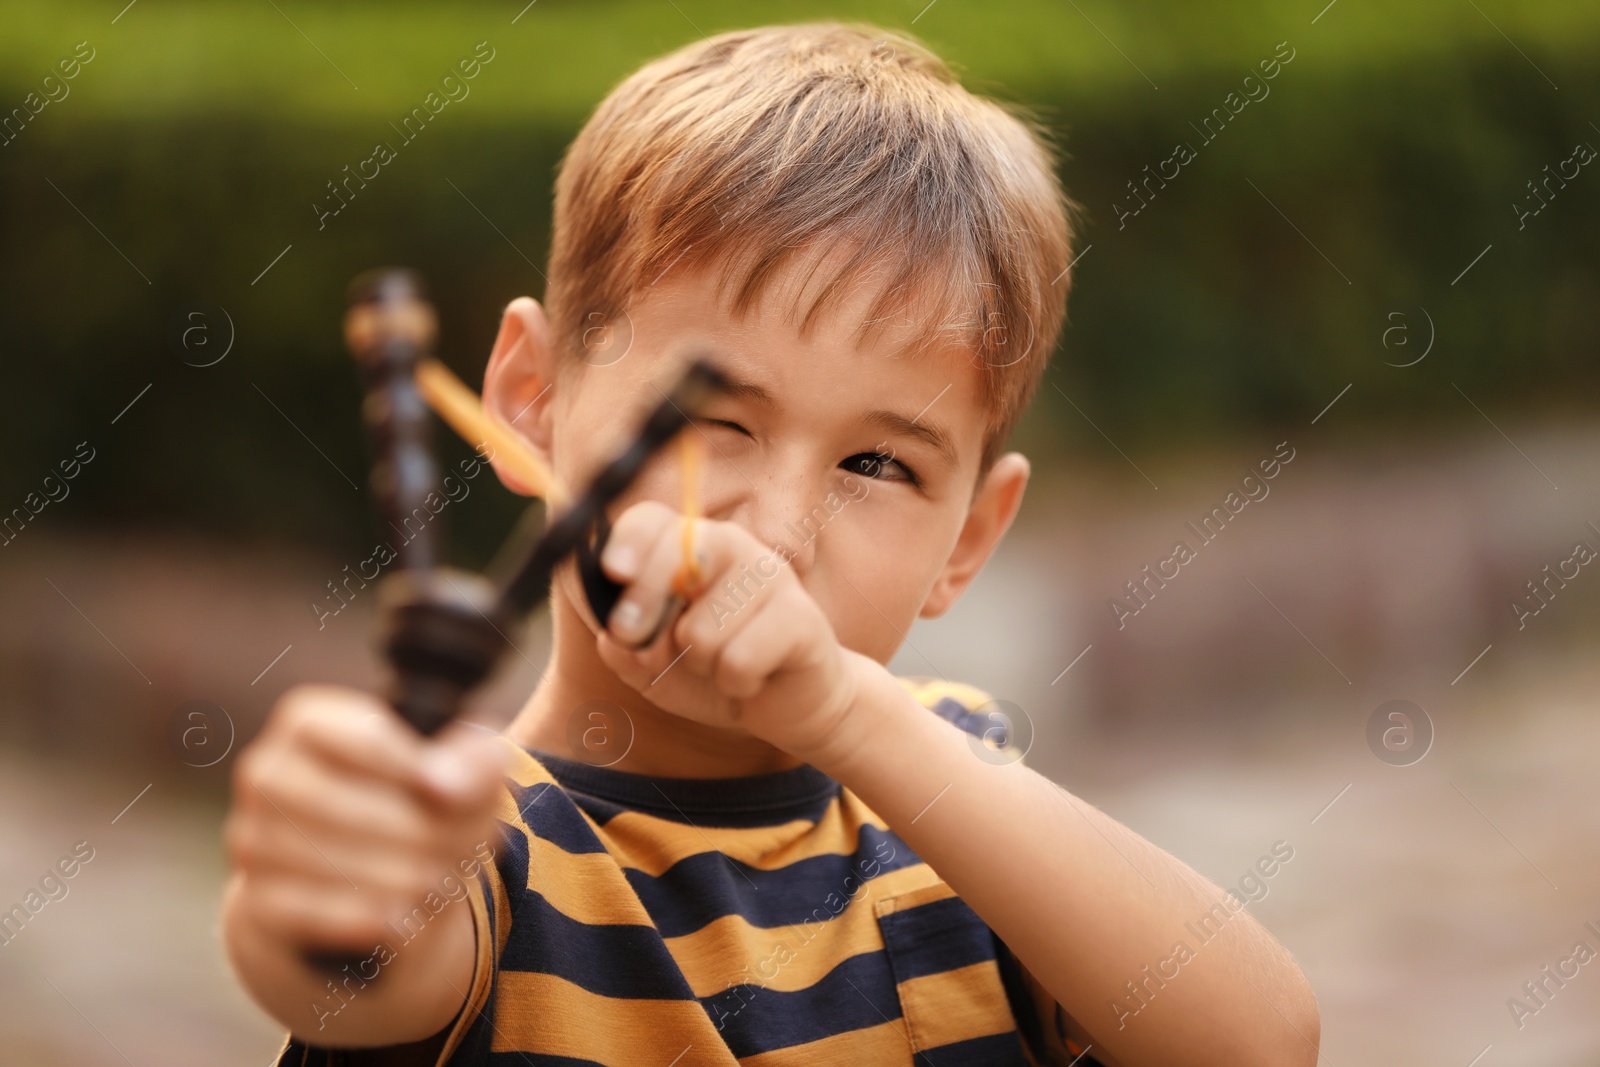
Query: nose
[[783, 508]]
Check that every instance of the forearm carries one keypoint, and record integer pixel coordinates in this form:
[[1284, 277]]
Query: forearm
[[1086, 904], [406, 992]]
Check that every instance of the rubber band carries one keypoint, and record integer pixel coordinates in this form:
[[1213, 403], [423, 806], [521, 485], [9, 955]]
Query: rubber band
[[686, 582]]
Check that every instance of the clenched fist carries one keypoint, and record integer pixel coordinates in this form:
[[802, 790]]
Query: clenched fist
[[751, 647], [344, 821]]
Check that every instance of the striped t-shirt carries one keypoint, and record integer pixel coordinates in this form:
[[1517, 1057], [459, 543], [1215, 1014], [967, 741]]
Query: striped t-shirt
[[771, 920]]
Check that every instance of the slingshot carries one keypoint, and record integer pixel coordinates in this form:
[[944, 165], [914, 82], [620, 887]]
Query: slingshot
[[443, 629]]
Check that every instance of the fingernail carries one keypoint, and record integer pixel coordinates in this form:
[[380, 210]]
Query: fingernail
[[621, 560], [626, 617]]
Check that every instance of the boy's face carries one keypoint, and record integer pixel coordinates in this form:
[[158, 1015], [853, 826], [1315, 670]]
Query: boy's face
[[858, 466]]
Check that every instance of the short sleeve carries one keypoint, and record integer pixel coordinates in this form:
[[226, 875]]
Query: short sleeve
[[470, 1036], [1040, 1019], [468, 1040], [1000, 732]]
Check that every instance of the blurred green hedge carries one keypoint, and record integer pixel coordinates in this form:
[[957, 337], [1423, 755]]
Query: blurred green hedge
[[199, 136]]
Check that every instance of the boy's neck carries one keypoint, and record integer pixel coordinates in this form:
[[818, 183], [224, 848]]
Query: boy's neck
[[663, 744]]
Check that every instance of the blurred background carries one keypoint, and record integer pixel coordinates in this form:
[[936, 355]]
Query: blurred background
[[1382, 263]]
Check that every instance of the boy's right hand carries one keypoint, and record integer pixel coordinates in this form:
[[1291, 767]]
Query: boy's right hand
[[344, 818]]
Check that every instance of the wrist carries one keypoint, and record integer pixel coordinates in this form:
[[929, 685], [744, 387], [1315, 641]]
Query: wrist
[[859, 724]]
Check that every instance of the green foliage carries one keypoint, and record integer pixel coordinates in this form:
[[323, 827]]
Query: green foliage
[[200, 136]]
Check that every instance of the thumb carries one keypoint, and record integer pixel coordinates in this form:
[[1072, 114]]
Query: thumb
[[463, 766]]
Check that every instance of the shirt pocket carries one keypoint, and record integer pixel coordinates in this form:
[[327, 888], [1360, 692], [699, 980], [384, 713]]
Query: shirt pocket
[[952, 997]]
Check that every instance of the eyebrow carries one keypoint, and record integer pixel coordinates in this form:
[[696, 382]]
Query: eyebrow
[[896, 423], [743, 389], [892, 421]]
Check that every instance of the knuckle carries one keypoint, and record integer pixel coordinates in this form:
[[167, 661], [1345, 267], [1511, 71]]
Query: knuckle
[[240, 838], [696, 630], [248, 772], [297, 721], [736, 672], [642, 520], [418, 876]]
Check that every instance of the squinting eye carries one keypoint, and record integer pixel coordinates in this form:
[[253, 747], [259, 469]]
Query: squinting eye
[[725, 424], [878, 466]]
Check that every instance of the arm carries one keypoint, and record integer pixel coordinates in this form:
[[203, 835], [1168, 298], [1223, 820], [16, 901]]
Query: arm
[[1086, 904]]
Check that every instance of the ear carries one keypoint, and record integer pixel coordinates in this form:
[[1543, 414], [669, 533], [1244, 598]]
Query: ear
[[993, 508], [519, 384]]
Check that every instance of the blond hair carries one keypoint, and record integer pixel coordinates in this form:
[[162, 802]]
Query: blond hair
[[749, 146]]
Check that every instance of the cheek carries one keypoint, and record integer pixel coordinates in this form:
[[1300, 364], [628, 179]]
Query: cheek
[[875, 578]]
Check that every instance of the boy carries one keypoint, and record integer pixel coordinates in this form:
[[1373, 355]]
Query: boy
[[718, 842]]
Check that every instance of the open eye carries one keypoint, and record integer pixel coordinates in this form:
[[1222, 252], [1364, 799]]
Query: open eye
[[879, 467]]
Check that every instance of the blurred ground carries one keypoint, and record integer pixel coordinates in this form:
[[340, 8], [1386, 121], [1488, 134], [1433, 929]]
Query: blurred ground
[[1228, 715]]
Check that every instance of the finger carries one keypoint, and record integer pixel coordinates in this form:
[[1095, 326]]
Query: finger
[[325, 830], [464, 768], [633, 535], [638, 668], [359, 733], [649, 601], [322, 805], [727, 558], [714, 617], [312, 915], [761, 647], [349, 728]]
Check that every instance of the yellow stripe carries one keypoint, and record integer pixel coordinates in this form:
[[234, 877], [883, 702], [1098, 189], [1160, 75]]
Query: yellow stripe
[[956, 1005], [929, 691], [528, 773], [730, 951], [884, 1045], [587, 887], [540, 1013], [915, 896], [651, 844], [483, 967]]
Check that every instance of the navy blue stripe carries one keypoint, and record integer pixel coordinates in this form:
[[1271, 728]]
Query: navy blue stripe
[[709, 885], [613, 960], [754, 800], [1023, 1007], [858, 993], [936, 937], [603, 811], [512, 862], [550, 814], [526, 1059], [996, 1050], [975, 724]]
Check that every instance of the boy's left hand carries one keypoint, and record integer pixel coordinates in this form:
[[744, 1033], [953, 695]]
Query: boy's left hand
[[767, 661]]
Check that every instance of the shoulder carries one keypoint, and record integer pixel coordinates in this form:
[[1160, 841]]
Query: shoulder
[[539, 820], [998, 724], [944, 696]]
